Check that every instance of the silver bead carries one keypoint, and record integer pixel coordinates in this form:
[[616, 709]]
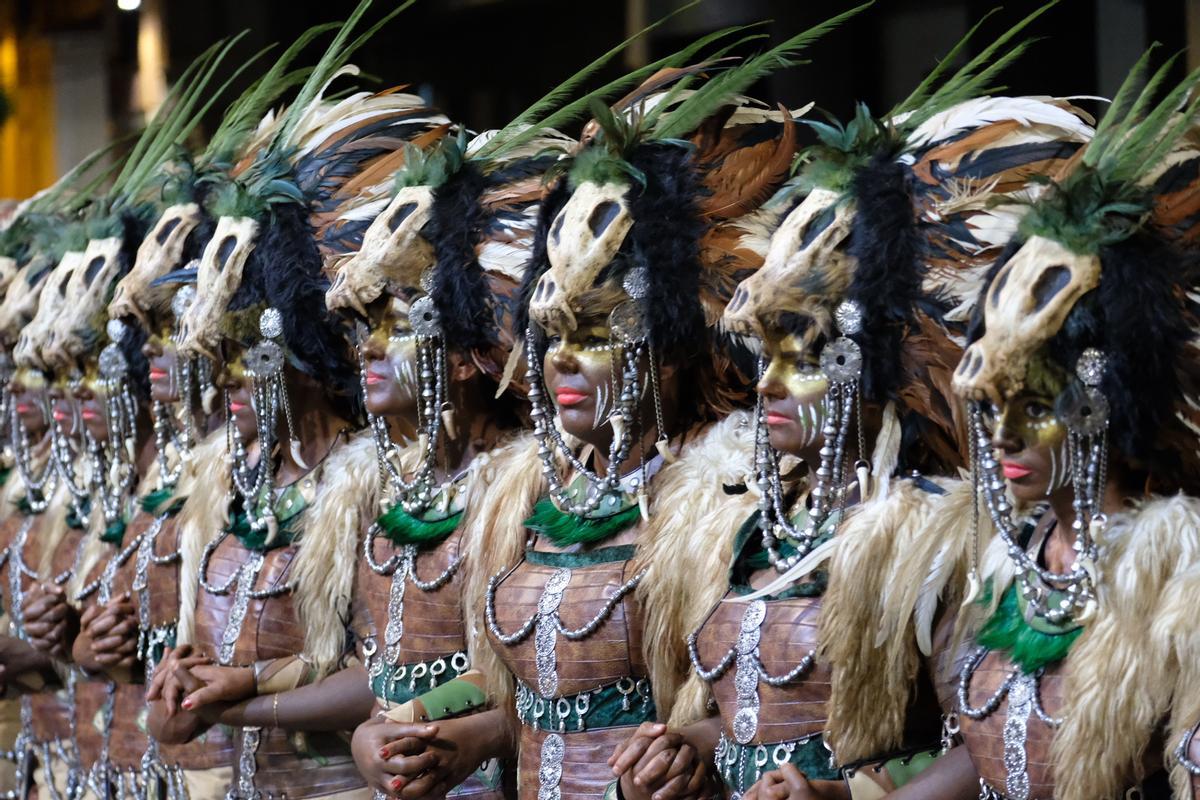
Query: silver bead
[[849, 317], [1091, 366], [115, 330], [270, 323]]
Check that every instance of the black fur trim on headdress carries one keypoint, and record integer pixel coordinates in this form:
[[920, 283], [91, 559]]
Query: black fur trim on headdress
[[284, 272], [459, 288], [665, 239], [138, 373], [1136, 318], [887, 280]]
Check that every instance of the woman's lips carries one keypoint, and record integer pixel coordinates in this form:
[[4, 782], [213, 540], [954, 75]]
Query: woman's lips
[[569, 397], [775, 418], [24, 408], [89, 413], [1014, 471], [375, 378], [60, 415], [157, 373], [236, 407]]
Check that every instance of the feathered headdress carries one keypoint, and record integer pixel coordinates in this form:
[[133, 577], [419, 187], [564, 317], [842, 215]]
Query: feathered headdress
[[280, 211], [649, 208], [902, 216], [1106, 266]]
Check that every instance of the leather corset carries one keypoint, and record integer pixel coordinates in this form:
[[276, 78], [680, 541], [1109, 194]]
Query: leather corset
[[611, 652], [788, 637], [270, 629], [433, 624], [984, 738]]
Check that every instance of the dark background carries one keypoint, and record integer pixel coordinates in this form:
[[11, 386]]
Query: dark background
[[482, 61]]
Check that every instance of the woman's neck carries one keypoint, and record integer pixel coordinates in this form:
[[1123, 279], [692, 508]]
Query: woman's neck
[[317, 427], [1060, 544]]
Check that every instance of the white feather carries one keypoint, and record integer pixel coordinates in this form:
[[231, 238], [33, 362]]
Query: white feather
[[1030, 111]]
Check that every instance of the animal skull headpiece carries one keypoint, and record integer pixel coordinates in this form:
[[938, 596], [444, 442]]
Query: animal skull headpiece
[[82, 317], [159, 253], [220, 275], [35, 337], [21, 300]]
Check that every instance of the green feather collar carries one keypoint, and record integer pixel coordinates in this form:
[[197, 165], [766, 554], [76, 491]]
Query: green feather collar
[[564, 529], [1029, 647], [402, 528]]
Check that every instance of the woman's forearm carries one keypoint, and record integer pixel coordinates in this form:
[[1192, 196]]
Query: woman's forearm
[[340, 702]]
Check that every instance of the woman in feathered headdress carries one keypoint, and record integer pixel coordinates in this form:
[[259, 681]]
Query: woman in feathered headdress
[[588, 533], [273, 538], [1082, 377], [855, 314]]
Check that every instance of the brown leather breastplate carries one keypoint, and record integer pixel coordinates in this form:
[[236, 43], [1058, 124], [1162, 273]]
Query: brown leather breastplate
[[786, 636], [431, 623], [321, 764], [611, 652], [985, 738], [163, 578]]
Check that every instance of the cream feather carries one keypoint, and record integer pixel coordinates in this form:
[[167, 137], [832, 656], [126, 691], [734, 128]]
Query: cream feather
[[205, 485]]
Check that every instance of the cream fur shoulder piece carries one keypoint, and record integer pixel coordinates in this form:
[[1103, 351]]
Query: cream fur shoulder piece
[[686, 550], [1123, 669], [204, 483], [900, 558], [501, 498], [323, 570]]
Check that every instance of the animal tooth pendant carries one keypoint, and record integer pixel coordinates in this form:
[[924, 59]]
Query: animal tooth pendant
[[972, 588]]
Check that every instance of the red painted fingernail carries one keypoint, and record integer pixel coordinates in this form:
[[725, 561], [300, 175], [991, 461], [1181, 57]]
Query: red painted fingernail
[[398, 783], [187, 704], [383, 753]]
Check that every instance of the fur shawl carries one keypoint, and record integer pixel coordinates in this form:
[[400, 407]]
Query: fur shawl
[[1119, 678], [686, 549], [900, 558]]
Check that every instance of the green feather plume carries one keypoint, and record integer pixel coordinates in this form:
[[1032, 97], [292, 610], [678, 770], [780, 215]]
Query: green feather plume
[[719, 90], [1103, 200]]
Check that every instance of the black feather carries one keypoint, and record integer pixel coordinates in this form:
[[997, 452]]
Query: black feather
[[284, 272], [887, 279], [460, 289]]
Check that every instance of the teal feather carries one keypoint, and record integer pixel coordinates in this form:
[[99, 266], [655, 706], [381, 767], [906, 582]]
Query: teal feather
[[564, 529], [114, 534], [402, 528], [1008, 632]]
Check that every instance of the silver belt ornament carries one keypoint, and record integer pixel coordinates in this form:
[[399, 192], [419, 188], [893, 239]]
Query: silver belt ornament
[[745, 679], [546, 633]]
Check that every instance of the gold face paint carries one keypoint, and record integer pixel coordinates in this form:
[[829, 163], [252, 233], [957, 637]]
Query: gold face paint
[[579, 377], [793, 390], [1030, 419], [30, 380]]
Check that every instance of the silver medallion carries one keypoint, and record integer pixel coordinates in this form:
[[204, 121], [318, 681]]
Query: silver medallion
[[841, 360], [1016, 727], [849, 317], [546, 632], [745, 679], [424, 317], [550, 770], [246, 575], [270, 323], [395, 624]]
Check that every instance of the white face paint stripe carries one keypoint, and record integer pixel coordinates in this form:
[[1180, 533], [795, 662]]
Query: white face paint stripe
[[602, 401]]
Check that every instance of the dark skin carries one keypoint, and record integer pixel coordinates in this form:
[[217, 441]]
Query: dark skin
[[103, 638], [317, 427], [29, 394], [413, 761], [1026, 435], [666, 763]]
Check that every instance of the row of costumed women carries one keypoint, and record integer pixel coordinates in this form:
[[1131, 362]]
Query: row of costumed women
[[726, 450]]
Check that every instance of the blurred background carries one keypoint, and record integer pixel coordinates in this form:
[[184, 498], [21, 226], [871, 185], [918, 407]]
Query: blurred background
[[77, 73]]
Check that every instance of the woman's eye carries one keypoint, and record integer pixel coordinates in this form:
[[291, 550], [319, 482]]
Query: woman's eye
[[595, 341], [1036, 411]]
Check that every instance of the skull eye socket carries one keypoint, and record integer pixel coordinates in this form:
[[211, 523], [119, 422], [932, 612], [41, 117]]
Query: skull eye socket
[[340, 279], [1047, 286], [557, 229], [815, 225], [740, 296], [545, 288], [224, 251], [402, 213], [166, 229], [93, 269], [602, 216], [62, 287], [998, 288]]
